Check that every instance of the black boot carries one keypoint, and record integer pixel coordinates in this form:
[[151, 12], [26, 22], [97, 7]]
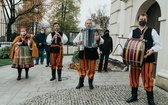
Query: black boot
[[59, 75], [99, 71], [27, 72], [19, 74], [80, 84], [150, 98], [105, 70], [134, 95], [91, 83], [53, 75]]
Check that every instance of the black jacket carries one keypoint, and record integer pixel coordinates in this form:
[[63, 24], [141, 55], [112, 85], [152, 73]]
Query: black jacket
[[107, 46], [40, 38]]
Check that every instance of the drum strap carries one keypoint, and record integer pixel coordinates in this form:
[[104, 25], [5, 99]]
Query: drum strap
[[142, 36]]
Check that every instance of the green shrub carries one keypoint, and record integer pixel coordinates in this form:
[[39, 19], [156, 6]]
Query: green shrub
[[4, 52], [75, 56]]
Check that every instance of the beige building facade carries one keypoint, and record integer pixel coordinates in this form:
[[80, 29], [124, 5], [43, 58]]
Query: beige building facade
[[123, 19], [2, 24]]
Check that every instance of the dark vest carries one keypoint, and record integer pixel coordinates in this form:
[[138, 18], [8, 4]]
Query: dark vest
[[90, 53], [58, 39], [148, 43], [55, 49]]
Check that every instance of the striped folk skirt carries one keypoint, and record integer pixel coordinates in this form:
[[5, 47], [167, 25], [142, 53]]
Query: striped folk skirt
[[22, 58]]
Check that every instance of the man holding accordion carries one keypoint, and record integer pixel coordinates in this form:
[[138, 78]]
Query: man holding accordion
[[88, 39]]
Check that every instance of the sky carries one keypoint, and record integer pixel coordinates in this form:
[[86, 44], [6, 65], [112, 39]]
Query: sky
[[90, 6]]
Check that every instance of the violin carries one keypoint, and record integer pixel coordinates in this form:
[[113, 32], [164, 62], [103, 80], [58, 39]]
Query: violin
[[25, 38]]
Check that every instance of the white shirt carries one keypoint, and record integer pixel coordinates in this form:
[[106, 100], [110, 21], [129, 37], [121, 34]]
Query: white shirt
[[157, 45], [79, 37], [64, 39]]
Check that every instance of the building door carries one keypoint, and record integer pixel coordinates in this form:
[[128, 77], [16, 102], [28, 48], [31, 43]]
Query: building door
[[154, 13]]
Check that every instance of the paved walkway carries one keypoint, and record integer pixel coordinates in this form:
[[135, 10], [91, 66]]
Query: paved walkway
[[38, 90]]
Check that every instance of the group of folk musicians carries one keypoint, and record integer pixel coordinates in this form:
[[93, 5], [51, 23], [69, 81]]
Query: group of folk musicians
[[24, 49]]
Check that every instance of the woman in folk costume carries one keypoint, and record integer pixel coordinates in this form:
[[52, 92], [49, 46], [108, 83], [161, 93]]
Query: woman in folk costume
[[88, 57], [56, 39], [22, 51]]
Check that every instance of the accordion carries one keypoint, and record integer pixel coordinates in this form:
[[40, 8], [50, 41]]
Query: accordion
[[88, 38]]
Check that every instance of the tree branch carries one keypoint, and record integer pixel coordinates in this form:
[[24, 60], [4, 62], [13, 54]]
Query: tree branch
[[4, 16], [5, 9], [18, 2], [8, 4], [28, 11]]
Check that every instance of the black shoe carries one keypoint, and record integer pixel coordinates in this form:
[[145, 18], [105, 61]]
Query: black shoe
[[18, 78], [105, 71], [46, 65], [53, 78], [132, 98], [27, 76], [90, 83], [134, 92], [80, 84], [150, 98], [59, 72], [53, 74], [91, 87], [27, 73], [36, 63], [99, 71], [151, 103], [19, 74]]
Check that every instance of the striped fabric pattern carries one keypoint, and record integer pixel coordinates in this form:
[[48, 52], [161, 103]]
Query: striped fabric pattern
[[57, 59], [133, 53], [22, 58], [146, 74], [87, 67]]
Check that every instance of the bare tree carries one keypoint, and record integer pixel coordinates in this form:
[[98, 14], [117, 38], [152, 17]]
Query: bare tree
[[9, 8], [100, 18]]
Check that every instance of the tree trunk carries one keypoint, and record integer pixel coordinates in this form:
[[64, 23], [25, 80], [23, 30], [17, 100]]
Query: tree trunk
[[9, 28], [9, 31]]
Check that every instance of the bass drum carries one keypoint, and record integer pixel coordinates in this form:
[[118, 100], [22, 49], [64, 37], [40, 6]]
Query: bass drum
[[133, 52]]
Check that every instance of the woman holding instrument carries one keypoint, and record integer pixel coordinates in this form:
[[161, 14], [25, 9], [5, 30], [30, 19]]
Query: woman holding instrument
[[22, 51]]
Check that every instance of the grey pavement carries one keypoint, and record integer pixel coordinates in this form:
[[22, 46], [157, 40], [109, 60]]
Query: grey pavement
[[111, 88]]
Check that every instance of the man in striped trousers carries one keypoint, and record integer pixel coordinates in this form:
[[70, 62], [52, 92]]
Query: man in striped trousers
[[56, 39], [152, 45]]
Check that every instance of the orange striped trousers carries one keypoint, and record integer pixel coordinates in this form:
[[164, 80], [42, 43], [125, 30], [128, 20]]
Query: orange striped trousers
[[87, 67], [146, 74], [57, 59], [60, 65]]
